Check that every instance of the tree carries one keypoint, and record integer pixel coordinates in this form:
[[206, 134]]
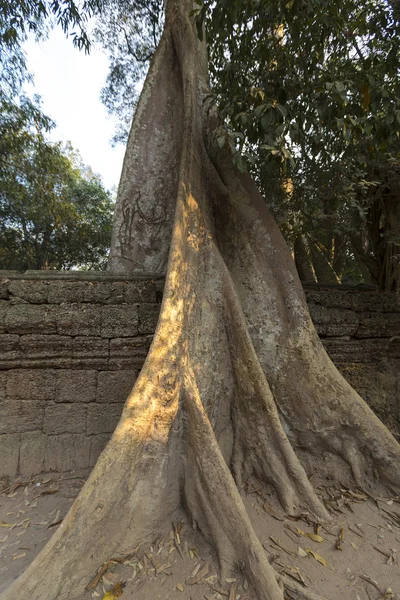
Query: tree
[[236, 382], [316, 105], [54, 212]]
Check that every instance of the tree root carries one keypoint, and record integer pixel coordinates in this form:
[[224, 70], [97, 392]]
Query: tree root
[[236, 380]]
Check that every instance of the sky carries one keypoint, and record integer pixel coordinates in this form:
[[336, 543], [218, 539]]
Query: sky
[[69, 82]]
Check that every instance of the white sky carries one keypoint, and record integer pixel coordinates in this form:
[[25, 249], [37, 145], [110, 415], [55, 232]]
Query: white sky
[[69, 82]]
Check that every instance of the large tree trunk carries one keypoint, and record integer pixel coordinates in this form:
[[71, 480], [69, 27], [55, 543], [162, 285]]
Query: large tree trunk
[[236, 382]]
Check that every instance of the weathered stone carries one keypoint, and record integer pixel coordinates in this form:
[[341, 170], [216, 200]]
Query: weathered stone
[[17, 416], [103, 418], [115, 386], [4, 283], [9, 453], [345, 349], [148, 317], [128, 353], [61, 292], [76, 386], [46, 351], [3, 380], [140, 291], [30, 318], [334, 322], [9, 351], [352, 299], [66, 452], [65, 418], [3, 311], [159, 285], [378, 385], [119, 321], [36, 384], [75, 319], [90, 352], [374, 325], [105, 292], [34, 292], [32, 447], [97, 445]]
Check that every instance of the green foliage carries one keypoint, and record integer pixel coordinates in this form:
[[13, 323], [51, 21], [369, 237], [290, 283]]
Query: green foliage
[[18, 19], [54, 212], [309, 91], [129, 31]]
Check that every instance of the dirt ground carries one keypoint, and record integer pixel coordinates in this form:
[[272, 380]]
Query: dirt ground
[[355, 557]]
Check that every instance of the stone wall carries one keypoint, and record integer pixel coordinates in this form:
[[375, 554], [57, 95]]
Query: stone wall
[[71, 346], [360, 329]]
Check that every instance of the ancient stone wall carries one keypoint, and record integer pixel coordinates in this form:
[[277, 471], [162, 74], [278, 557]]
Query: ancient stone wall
[[71, 346]]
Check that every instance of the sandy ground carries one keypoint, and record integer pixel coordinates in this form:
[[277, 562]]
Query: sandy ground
[[355, 557]]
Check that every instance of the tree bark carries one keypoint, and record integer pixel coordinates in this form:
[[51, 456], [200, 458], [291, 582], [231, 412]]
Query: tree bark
[[236, 383]]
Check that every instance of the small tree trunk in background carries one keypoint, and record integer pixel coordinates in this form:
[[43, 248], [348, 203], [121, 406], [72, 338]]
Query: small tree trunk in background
[[236, 383], [302, 260]]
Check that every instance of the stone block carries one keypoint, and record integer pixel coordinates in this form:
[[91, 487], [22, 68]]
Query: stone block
[[4, 283], [344, 349], [9, 454], [358, 300], [115, 386], [97, 445], [119, 321], [3, 381], [128, 353], [46, 351], [75, 319], [61, 292], [34, 292], [159, 285], [375, 325], [90, 352], [31, 457], [66, 452], [104, 292], [148, 317], [140, 291], [4, 305], [30, 318], [18, 416], [76, 385], [65, 418], [9, 351], [35, 384], [103, 418], [333, 322]]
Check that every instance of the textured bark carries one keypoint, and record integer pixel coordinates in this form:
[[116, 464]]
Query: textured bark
[[236, 384]]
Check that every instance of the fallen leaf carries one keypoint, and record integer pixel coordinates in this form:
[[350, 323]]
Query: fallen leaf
[[49, 492], [318, 557], [278, 543], [202, 573], [271, 511], [301, 552], [179, 587], [19, 556], [232, 593], [354, 546], [8, 525], [115, 593], [313, 536]]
